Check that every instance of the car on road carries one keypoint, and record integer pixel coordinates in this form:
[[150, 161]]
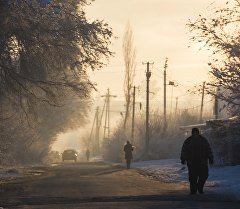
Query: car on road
[[69, 154]]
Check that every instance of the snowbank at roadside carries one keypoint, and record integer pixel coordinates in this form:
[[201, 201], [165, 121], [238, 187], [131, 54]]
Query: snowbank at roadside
[[221, 179], [7, 174]]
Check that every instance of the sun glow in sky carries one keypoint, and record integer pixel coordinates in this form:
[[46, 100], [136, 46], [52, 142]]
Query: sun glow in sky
[[160, 31]]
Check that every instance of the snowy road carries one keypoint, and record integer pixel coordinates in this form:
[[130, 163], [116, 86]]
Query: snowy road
[[222, 180], [100, 185]]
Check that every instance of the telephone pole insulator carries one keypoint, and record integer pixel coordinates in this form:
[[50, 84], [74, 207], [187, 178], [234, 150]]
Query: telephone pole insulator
[[148, 75]]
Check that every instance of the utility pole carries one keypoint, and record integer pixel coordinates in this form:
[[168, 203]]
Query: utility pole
[[176, 107], [105, 123], [171, 83], [216, 110], [165, 96], [133, 112], [98, 126], [171, 101], [203, 92], [90, 137], [106, 128], [108, 105], [148, 75], [97, 132], [107, 114]]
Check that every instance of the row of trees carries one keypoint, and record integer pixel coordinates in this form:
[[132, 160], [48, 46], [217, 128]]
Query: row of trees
[[46, 48], [164, 144]]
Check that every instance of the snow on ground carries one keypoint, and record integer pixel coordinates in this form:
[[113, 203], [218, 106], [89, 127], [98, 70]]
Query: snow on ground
[[96, 159], [9, 173], [221, 179]]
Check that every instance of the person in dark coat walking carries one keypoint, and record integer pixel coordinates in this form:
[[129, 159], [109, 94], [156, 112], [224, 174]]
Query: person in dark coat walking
[[197, 152], [128, 149]]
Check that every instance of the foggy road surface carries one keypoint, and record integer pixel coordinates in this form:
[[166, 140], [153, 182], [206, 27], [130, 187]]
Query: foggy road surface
[[101, 186]]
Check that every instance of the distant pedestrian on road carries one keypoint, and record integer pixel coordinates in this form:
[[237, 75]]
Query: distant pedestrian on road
[[128, 149], [87, 154], [197, 152]]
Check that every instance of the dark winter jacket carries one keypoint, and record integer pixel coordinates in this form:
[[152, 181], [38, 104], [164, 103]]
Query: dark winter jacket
[[128, 148], [196, 151]]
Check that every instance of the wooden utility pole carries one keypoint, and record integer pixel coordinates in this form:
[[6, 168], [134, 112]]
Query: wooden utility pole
[[148, 75], [105, 123], [98, 126], [97, 132], [165, 96], [176, 107], [216, 104], [108, 106], [201, 110], [91, 133], [97, 123], [107, 115], [171, 83], [133, 112]]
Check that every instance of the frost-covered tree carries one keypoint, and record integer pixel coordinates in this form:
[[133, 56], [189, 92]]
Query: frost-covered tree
[[47, 46], [220, 32], [46, 49]]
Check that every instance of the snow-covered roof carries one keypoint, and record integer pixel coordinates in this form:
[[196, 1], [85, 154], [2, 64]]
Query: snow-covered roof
[[188, 127]]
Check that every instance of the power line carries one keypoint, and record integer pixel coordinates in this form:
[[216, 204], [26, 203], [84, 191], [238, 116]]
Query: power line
[[115, 71], [194, 107]]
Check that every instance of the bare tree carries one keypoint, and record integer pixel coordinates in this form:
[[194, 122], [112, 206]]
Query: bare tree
[[129, 53]]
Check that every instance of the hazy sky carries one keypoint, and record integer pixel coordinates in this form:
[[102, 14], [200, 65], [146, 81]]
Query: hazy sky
[[160, 31]]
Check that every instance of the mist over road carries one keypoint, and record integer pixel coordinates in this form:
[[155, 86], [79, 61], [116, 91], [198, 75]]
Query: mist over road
[[99, 185]]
